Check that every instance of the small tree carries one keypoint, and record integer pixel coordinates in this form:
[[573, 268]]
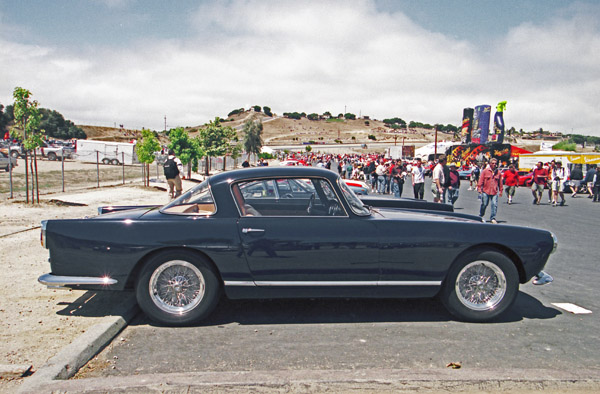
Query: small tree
[[267, 111], [27, 120], [145, 148], [308, 148], [215, 140], [253, 137], [350, 116], [187, 149]]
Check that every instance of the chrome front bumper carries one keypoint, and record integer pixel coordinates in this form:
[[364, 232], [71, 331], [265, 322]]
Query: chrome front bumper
[[60, 282]]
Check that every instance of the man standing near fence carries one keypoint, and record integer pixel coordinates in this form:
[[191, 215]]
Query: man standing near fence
[[174, 173]]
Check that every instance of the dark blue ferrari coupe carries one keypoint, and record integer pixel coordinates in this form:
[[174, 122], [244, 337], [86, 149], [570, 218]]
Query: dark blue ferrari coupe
[[293, 232]]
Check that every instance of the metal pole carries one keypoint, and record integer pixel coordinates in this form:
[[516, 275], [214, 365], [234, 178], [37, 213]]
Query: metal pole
[[98, 168], [123, 165], [10, 168], [62, 152], [143, 174]]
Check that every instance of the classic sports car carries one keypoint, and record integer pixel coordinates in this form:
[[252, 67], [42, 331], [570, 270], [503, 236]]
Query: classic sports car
[[290, 232]]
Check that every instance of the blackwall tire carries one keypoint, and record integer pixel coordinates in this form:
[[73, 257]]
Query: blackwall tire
[[480, 286], [177, 288], [51, 156]]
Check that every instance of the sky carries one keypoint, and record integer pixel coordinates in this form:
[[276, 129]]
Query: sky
[[134, 62]]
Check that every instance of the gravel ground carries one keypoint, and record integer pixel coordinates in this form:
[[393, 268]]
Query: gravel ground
[[36, 322]]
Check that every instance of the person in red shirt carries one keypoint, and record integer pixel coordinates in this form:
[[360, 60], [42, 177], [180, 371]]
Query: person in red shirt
[[490, 186], [539, 181], [511, 181]]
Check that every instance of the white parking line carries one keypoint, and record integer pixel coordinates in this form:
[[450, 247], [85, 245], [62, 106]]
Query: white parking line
[[577, 310]]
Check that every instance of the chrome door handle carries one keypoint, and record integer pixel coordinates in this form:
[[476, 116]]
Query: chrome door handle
[[252, 230]]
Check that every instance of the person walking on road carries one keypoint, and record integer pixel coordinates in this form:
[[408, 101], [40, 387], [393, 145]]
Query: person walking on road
[[437, 185], [560, 176], [511, 181], [490, 186], [596, 187], [453, 184], [418, 180], [539, 181], [173, 170]]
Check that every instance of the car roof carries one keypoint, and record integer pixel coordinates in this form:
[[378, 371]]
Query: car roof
[[267, 172]]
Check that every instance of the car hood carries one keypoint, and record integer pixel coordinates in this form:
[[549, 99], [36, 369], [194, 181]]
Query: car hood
[[424, 215]]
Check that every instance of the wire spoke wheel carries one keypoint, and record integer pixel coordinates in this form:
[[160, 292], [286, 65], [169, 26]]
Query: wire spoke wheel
[[177, 286], [481, 285]]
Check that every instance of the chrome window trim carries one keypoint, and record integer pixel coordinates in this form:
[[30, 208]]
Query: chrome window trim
[[334, 283], [284, 216]]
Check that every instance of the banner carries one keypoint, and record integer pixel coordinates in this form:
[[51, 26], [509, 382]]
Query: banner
[[462, 154], [467, 125], [481, 124], [499, 122]]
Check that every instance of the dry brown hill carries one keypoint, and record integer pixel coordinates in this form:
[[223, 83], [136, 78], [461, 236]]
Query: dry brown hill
[[284, 131]]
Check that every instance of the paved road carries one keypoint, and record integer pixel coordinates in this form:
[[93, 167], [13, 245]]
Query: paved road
[[395, 334]]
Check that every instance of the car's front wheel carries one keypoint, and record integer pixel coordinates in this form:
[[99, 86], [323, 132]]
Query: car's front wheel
[[177, 288], [480, 286]]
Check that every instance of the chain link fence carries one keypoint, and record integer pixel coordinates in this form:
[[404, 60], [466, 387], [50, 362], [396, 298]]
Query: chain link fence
[[72, 175]]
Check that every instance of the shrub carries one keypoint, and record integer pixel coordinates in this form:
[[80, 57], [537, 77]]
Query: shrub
[[372, 137]]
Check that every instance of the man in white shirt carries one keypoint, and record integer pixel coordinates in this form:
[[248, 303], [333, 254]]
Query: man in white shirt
[[418, 180], [437, 185]]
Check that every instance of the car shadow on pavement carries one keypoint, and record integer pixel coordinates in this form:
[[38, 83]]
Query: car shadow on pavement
[[323, 311], [95, 304]]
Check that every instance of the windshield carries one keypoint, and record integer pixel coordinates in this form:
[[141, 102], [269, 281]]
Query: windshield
[[198, 200], [355, 203]]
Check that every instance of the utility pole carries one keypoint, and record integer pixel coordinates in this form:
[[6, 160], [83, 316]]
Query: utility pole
[[165, 123]]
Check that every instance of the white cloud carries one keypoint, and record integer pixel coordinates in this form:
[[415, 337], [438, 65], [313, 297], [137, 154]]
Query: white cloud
[[315, 57]]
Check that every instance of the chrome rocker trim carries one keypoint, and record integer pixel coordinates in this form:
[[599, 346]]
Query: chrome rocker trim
[[333, 283], [58, 282]]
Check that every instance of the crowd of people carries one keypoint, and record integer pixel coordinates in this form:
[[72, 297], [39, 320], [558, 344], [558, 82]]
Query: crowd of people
[[389, 176]]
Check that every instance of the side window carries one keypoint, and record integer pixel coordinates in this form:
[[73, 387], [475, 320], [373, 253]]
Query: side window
[[258, 189], [287, 197]]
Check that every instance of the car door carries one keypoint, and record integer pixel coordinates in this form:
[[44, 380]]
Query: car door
[[317, 246]]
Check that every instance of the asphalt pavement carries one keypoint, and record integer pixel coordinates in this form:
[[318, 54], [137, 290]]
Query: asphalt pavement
[[396, 343]]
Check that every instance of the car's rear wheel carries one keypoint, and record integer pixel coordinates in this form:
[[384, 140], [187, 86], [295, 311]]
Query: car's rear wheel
[[177, 288], [106, 161], [52, 156], [480, 286], [114, 162]]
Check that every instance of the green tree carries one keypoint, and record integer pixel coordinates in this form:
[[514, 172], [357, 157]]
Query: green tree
[[308, 148], [145, 148], [27, 120], [257, 108], [56, 126], [313, 116], [253, 137], [267, 111], [187, 149], [215, 140]]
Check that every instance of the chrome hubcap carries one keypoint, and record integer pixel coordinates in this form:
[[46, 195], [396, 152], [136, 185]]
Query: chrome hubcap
[[481, 285], [177, 286]]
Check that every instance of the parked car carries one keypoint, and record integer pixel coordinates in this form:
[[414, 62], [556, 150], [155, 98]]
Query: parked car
[[291, 163], [291, 232], [465, 173], [4, 161], [359, 188]]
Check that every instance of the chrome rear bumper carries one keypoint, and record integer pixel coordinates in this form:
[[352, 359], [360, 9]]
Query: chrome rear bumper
[[58, 282]]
